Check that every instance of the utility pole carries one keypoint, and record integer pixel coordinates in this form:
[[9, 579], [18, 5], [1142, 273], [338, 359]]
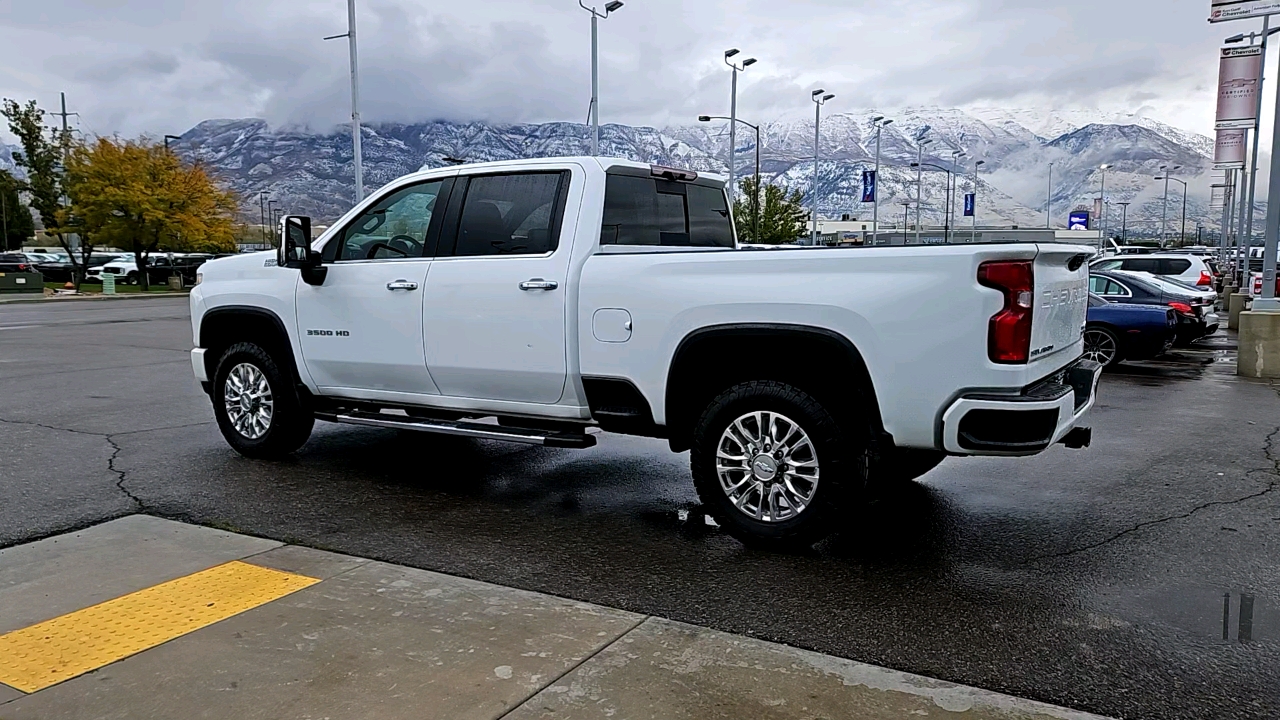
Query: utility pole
[[609, 7], [350, 35]]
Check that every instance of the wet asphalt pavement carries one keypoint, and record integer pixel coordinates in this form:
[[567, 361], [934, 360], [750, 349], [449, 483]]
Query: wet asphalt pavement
[[1110, 579]]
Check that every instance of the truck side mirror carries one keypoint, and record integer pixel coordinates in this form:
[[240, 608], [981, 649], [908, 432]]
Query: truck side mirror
[[295, 241]]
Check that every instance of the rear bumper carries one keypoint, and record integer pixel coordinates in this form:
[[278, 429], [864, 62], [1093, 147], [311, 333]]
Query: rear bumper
[[1026, 423]]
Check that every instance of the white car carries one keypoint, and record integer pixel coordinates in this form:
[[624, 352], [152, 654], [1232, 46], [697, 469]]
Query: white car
[[542, 301], [1192, 270]]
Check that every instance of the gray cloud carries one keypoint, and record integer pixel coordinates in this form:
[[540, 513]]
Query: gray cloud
[[162, 65]]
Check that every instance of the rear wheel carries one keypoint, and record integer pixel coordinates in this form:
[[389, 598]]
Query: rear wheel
[[256, 406], [1101, 346], [774, 467]]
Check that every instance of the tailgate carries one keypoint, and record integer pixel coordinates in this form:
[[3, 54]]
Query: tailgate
[[1062, 298]]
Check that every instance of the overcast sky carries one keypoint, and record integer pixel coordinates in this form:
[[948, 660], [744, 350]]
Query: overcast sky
[[160, 66]]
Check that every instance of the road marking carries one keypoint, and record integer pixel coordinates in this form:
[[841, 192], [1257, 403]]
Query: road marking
[[52, 651]]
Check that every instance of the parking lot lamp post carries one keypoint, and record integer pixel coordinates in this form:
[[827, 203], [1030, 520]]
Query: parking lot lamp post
[[906, 206], [973, 230], [609, 7], [879, 122], [819, 99], [262, 213], [921, 141], [733, 116], [1166, 171], [1166, 179], [350, 35], [755, 201], [1124, 222], [1048, 203], [953, 184], [1102, 207]]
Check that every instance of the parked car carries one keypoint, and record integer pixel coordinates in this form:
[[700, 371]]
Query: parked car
[[159, 269], [1183, 267], [16, 262], [1196, 315], [61, 271], [1118, 331], [561, 296]]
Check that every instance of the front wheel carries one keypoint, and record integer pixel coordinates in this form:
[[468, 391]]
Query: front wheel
[[774, 467], [256, 405]]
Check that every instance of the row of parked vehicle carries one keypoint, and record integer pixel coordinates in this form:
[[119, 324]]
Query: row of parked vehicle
[[1141, 305], [57, 267]]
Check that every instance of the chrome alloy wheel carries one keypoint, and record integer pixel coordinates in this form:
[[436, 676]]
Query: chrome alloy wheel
[[1099, 347], [767, 466], [247, 395]]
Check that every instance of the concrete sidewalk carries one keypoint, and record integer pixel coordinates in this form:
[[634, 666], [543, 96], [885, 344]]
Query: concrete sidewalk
[[147, 618]]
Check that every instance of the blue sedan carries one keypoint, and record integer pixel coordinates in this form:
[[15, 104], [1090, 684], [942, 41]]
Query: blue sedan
[[1126, 331]]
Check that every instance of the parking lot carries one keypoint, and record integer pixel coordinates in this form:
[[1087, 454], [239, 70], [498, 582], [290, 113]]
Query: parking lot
[[1109, 579]]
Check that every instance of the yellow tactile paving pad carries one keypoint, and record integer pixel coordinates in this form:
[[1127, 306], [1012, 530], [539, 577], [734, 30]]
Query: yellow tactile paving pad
[[49, 652]]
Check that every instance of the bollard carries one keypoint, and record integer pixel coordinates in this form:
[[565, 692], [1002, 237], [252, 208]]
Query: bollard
[[1259, 353], [175, 282], [1236, 306]]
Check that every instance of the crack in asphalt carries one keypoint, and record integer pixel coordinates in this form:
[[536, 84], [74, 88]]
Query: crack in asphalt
[[1267, 449], [110, 438]]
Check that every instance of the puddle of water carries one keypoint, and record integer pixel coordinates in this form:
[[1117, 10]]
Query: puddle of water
[[1211, 614]]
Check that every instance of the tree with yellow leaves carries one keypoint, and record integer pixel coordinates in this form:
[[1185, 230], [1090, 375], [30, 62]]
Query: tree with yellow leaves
[[137, 195]]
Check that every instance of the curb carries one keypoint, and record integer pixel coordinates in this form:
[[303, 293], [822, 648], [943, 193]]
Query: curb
[[96, 296]]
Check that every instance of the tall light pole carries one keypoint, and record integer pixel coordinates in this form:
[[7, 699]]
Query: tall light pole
[[609, 7], [1164, 210], [1247, 196], [952, 186], [1048, 204], [1183, 235], [1124, 222], [262, 211], [755, 201], [819, 99], [973, 231], [733, 115], [921, 141], [879, 122], [350, 35], [906, 207], [1102, 207], [919, 167]]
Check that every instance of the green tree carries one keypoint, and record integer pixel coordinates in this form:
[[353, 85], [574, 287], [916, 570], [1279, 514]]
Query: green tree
[[782, 214], [42, 157], [16, 224], [138, 195]]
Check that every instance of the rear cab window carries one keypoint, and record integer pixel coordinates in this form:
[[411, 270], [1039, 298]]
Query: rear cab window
[[643, 210]]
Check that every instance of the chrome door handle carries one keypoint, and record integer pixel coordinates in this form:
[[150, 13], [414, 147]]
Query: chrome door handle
[[402, 285], [539, 284]]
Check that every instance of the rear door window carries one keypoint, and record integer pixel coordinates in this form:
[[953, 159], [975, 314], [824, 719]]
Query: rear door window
[[511, 214], [1173, 266], [1148, 265], [656, 212]]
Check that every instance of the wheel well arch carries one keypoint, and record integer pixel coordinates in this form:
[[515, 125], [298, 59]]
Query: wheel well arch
[[222, 327], [821, 362]]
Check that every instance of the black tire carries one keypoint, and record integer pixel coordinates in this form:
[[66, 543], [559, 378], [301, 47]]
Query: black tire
[[289, 424], [897, 466], [840, 453], [131, 278], [1097, 344]]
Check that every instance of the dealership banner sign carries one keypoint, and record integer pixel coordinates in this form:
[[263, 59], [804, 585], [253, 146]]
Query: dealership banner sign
[[1239, 74], [1078, 219], [968, 204], [1224, 10], [868, 186], [1229, 149]]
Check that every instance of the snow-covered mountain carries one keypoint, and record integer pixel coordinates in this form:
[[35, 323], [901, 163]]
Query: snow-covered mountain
[[310, 172]]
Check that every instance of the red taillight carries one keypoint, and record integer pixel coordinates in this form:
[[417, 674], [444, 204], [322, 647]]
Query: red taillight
[[1009, 331], [1181, 307], [1205, 278]]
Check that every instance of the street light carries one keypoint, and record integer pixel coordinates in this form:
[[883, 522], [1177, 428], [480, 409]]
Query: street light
[[350, 35], [1164, 210], [1183, 234], [921, 141], [609, 7], [819, 99], [167, 138], [906, 204], [1102, 208], [733, 116], [262, 214], [919, 166], [973, 232], [755, 201], [880, 124], [1048, 205], [951, 193], [1124, 222]]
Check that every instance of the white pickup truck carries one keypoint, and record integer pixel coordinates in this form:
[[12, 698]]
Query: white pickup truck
[[544, 301]]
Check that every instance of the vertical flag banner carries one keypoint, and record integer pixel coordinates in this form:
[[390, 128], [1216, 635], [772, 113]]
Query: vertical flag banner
[[868, 186], [1229, 149], [1239, 71], [1224, 10], [968, 204]]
